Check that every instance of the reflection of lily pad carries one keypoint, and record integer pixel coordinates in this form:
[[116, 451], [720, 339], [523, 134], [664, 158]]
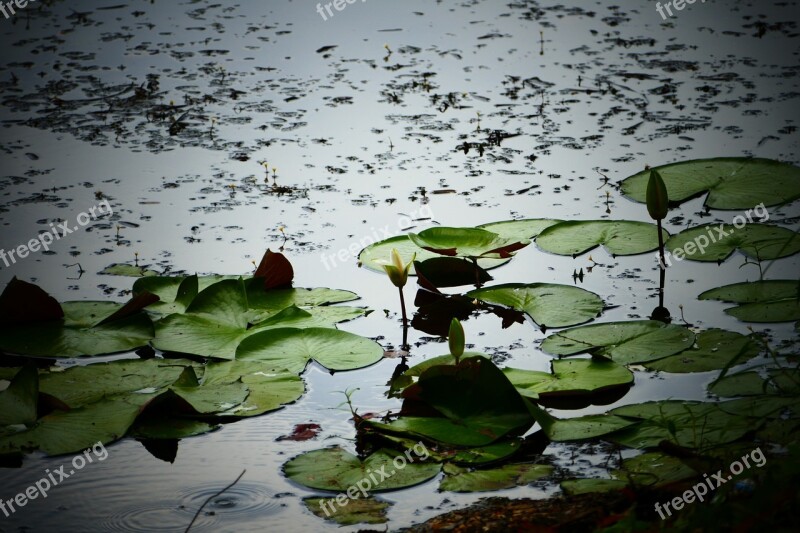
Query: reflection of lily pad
[[467, 242], [778, 381], [760, 301], [623, 342], [337, 470], [732, 182], [715, 349], [292, 349], [757, 241], [549, 305], [481, 480], [618, 237], [570, 377]]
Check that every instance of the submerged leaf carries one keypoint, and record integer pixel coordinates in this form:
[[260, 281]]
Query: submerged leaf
[[717, 242]]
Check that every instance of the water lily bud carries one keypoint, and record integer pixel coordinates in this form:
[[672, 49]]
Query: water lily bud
[[455, 339], [657, 199]]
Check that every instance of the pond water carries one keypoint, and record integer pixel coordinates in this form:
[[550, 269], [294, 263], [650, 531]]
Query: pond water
[[365, 117]]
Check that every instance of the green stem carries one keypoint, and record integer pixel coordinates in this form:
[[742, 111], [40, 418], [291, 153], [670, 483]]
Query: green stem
[[405, 318]]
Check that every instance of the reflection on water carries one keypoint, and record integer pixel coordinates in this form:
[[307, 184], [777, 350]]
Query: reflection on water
[[209, 126]]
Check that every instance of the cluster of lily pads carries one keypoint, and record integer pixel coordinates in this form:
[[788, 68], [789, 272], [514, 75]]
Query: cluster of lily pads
[[472, 415], [236, 347]]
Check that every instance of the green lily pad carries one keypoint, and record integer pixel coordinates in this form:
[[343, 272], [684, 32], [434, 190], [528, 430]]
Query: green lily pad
[[732, 182], [760, 301], [18, 402], [757, 241], [549, 305], [293, 348], [266, 391], [653, 469], [356, 511], [572, 487], [636, 341], [715, 349], [84, 330], [207, 399], [569, 378], [467, 242], [579, 428], [618, 237], [373, 256], [503, 477], [695, 425], [337, 470], [175, 293], [477, 403], [778, 381], [132, 271], [63, 432], [520, 230]]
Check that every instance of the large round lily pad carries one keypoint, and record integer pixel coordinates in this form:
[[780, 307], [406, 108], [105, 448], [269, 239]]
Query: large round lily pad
[[715, 349], [467, 242], [636, 341], [760, 301], [521, 230], [293, 348], [336, 469], [570, 377], [619, 237], [549, 305], [732, 182]]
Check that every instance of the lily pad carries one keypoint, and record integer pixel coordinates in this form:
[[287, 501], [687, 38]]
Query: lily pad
[[373, 255], [356, 511], [715, 349], [476, 404], [578, 428], [467, 242], [719, 241], [732, 182], [18, 402], [63, 432], [573, 487], [84, 330], [618, 237], [132, 271], [778, 381], [549, 305], [293, 348], [521, 230], [482, 480], [760, 301], [336, 469], [652, 470], [175, 293], [695, 425], [569, 378], [636, 341]]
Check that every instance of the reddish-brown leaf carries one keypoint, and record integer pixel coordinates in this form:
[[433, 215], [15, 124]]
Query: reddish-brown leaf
[[276, 270], [23, 302]]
